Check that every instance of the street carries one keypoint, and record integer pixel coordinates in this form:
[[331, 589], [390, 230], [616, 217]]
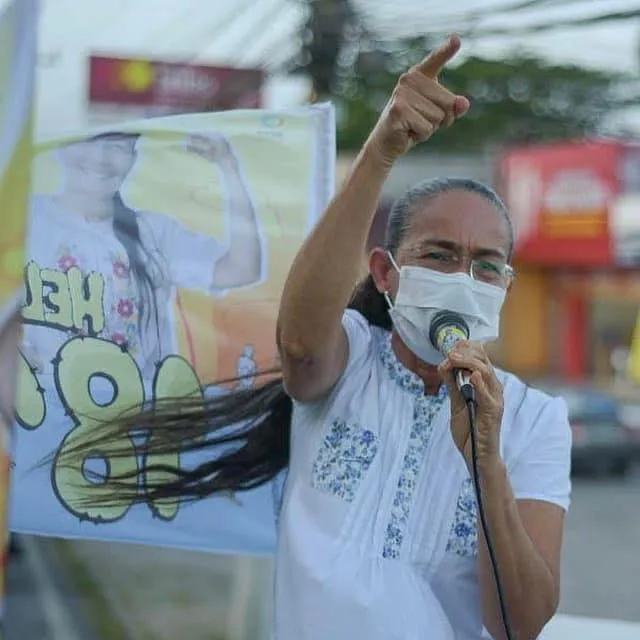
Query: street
[[601, 560], [601, 569], [23, 619], [43, 602]]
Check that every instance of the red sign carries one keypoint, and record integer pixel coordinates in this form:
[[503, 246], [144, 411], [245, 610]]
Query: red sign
[[560, 197], [173, 87]]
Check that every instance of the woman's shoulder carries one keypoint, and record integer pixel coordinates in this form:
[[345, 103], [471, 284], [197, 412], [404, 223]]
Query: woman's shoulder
[[530, 411], [521, 395], [163, 228], [354, 321], [156, 227], [365, 339]]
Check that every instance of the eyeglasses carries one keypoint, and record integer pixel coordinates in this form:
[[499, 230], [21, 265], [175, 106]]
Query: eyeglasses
[[489, 270]]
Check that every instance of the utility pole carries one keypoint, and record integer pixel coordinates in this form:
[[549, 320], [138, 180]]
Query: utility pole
[[325, 36]]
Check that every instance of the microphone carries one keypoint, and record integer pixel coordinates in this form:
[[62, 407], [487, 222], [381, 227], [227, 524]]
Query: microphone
[[447, 329]]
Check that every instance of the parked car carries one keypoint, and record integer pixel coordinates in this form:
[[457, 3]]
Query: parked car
[[629, 416], [602, 443], [564, 626]]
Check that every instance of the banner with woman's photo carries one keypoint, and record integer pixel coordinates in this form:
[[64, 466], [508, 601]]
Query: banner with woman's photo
[[156, 255]]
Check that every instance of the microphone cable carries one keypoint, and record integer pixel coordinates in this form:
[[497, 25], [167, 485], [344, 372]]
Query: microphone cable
[[469, 394]]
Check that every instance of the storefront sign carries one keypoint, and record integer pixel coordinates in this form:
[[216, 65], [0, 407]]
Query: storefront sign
[[560, 198], [169, 87]]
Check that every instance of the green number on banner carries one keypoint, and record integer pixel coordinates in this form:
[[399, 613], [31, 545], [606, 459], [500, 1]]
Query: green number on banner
[[75, 372], [30, 406], [175, 377]]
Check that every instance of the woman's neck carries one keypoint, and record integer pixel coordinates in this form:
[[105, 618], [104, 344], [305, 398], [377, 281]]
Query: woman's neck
[[90, 208], [428, 373]]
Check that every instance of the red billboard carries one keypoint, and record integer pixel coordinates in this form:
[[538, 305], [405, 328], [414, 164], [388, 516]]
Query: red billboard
[[171, 87], [561, 197]]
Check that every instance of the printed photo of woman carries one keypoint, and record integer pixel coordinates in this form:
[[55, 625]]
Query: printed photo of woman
[[142, 256]]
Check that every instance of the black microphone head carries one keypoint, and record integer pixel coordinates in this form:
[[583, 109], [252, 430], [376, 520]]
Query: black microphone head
[[446, 320]]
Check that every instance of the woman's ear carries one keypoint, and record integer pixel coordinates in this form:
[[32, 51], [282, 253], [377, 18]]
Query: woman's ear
[[384, 274]]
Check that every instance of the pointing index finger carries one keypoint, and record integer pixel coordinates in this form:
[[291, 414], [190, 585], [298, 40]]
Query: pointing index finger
[[432, 65]]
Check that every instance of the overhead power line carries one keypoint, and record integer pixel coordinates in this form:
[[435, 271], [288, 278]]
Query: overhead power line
[[469, 24], [459, 16], [457, 24], [389, 16], [557, 24]]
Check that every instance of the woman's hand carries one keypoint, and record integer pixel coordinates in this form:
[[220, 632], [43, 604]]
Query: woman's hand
[[213, 147], [472, 357], [418, 107]]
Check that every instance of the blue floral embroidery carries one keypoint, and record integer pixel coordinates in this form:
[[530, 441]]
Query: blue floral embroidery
[[346, 453], [425, 410], [406, 379], [463, 538]]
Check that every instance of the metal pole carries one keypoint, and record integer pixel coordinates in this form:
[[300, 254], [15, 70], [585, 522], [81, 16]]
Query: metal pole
[[9, 337], [18, 29], [238, 616]]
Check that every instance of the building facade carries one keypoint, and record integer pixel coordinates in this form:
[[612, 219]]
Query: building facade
[[575, 301], [576, 211]]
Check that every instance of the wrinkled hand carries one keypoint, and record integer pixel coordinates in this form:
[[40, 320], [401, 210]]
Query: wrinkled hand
[[213, 147], [472, 357], [418, 107]]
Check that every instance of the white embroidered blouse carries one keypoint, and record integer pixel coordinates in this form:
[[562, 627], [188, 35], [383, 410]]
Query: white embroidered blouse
[[378, 525]]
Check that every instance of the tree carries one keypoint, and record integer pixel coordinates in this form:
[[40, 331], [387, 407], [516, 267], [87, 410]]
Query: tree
[[329, 27], [522, 99]]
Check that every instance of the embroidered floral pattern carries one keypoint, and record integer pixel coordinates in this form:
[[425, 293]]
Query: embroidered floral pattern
[[68, 256], [425, 410], [125, 307], [120, 292], [120, 269], [408, 380], [123, 319], [66, 261], [118, 338], [463, 538], [345, 455]]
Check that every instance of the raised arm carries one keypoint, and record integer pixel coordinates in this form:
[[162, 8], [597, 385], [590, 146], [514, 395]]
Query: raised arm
[[240, 264], [312, 344]]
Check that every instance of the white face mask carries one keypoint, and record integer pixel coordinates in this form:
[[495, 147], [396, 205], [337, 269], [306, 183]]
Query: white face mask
[[422, 293]]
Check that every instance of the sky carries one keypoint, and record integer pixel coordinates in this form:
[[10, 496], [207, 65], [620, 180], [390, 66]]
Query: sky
[[268, 29], [611, 45], [267, 32]]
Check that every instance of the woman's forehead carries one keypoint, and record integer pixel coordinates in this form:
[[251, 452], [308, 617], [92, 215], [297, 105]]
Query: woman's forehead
[[458, 217]]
